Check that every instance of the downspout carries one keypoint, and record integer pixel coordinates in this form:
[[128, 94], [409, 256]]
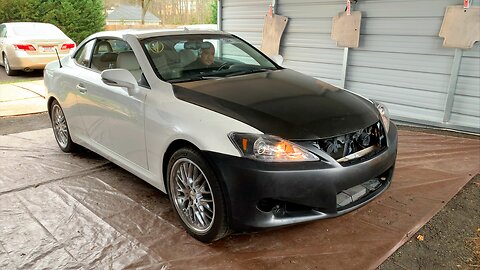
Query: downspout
[[219, 15]]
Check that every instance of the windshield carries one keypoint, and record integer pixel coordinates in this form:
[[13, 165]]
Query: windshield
[[36, 30], [198, 57]]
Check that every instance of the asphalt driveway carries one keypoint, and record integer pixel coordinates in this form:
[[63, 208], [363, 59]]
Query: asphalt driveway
[[22, 76]]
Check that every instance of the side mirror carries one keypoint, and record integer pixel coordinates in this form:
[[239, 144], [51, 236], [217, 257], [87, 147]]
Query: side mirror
[[121, 78], [277, 58]]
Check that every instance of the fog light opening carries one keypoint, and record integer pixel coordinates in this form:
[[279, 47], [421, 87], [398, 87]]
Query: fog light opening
[[269, 205]]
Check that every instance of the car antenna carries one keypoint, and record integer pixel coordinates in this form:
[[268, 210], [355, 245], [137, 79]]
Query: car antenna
[[58, 57]]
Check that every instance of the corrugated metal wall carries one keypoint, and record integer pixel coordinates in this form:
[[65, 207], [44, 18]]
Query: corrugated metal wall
[[400, 61]]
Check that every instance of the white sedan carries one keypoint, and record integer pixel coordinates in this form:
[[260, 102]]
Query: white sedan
[[30, 45], [238, 142]]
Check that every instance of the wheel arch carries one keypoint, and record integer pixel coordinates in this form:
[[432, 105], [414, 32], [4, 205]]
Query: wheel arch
[[49, 105], [172, 148], [181, 143]]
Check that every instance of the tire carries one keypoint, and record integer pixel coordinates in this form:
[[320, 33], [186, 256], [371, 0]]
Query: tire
[[60, 128], [194, 189], [8, 70]]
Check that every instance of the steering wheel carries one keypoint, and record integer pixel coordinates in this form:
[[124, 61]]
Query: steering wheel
[[223, 66]]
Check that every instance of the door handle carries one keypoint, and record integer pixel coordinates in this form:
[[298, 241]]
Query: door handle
[[81, 88]]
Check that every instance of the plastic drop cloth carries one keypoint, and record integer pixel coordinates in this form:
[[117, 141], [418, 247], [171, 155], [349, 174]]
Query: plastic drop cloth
[[64, 211]]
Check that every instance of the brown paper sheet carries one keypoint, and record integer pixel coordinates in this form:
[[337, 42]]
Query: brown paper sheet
[[460, 27], [346, 29], [63, 211], [272, 34]]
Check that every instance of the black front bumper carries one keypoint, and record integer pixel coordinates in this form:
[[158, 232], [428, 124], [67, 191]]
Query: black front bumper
[[264, 195]]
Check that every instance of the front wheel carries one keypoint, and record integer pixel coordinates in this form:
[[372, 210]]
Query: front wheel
[[60, 128], [196, 196]]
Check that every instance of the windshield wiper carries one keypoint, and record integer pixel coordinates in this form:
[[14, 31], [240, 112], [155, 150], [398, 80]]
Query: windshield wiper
[[248, 71], [191, 79]]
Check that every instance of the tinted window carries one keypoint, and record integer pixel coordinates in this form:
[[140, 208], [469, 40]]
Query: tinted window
[[198, 57], [3, 31], [106, 53], [83, 55]]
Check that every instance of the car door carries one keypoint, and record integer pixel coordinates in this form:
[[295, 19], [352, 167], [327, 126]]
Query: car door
[[114, 120], [74, 74]]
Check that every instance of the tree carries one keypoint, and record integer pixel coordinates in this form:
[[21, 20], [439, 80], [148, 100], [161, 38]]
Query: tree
[[214, 12], [145, 5], [77, 25]]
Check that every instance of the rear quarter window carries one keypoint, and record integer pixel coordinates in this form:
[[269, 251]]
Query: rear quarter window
[[84, 54]]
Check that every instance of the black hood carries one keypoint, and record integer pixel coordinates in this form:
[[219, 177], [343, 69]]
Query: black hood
[[284, 103]]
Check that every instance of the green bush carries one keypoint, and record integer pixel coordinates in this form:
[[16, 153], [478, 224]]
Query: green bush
[[213, 12], [76, 18]]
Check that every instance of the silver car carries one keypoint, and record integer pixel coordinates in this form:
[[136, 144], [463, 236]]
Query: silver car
[[27, 45]]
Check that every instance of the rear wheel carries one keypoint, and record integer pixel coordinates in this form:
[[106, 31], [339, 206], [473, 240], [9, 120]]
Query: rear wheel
[[60, 128], [196, 196], [6, 64]]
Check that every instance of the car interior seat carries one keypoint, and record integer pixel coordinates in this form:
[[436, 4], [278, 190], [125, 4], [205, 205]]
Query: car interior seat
[[187, 56], [128, 61], [103, 56]]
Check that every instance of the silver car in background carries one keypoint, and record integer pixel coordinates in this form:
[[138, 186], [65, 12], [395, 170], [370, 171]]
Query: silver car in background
[[27, 45]]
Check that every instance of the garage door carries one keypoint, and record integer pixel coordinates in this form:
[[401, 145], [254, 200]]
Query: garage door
[[400, 61]]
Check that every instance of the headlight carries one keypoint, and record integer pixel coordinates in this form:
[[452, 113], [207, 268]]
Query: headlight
[[385, 114], [269, 148]]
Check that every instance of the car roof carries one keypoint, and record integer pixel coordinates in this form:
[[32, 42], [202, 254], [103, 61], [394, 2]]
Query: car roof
[[147, 33], [20, 23]]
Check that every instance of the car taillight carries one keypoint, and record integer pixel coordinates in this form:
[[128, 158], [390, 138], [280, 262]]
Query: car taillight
[[24, 47], [68, 46]]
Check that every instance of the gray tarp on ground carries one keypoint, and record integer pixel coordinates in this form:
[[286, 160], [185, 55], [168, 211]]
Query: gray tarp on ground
[[61, 211]]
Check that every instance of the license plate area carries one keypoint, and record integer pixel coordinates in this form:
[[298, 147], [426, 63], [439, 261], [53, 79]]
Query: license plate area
[[47, 49]]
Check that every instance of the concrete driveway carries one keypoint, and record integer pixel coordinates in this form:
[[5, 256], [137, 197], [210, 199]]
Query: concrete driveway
[[22, 98]]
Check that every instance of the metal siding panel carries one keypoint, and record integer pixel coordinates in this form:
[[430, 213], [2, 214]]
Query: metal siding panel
[[310, 11], [465, 120], [399, 78], [401, 60], [468, 86], [251, 25], [317, 55], [417, 114], [401, 26], [321, 41], [470, 66], [427, 45], [309, 26], [473, 52], [401, 96], [466, 105], [315, 69]]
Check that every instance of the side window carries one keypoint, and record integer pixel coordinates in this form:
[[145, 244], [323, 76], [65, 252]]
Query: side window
[[116, 53], [106, 53], [3, 31], [83, 55]]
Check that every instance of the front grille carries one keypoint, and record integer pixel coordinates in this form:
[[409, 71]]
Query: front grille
[[355, 147]]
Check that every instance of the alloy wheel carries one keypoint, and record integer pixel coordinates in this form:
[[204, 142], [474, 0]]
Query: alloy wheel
[[192, 195], [60, 126]]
